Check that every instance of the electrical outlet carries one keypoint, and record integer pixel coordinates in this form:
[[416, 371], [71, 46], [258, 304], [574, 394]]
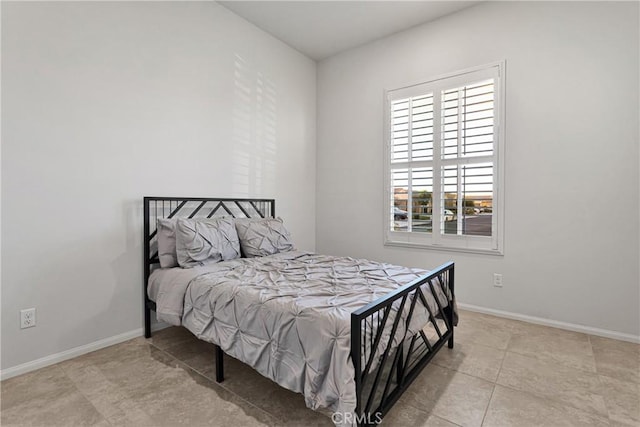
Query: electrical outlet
[[27, 318], [497, 280]]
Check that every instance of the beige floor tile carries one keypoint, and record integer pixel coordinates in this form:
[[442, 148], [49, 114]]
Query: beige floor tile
[[498, 322], [108, 398], [171, 336], [616, 359], [571, 349], [198, 354], [287, 406], [554, 381], [141, 385], [178, 392], [453, 396], [42, 384], [622, 399], [546, 378], [113, 355], [106, 423], [403, 414], [65, 408], [201, 403], [472, 359], [476, 328], [241, 379], [510, 407], [149, 371]]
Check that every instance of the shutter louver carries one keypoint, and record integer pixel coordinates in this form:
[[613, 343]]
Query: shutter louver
[[422, 128], [467, 120], [400, 130]]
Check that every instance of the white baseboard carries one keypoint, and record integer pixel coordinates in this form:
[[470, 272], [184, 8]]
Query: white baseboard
[[68, 354], [75, 352], [553, 323]]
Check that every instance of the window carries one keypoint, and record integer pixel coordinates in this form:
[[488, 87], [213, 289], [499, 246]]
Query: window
[[443, 162]]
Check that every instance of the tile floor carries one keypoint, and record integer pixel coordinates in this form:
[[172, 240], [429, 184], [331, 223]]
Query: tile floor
[[501, 373]]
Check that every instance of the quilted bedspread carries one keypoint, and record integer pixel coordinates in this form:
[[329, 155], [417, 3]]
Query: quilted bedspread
[[286, 315]]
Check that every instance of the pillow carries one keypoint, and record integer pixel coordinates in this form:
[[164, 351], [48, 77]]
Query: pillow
[[167, 242], [206, 241], [261, 237]]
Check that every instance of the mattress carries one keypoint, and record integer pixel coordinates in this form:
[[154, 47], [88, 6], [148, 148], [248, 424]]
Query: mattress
[[287, 315]]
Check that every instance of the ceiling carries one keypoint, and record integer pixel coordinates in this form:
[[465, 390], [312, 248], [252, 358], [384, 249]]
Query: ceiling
[[320, 29]]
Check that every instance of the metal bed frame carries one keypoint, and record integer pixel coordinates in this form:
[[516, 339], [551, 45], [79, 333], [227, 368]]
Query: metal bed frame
[[383, 371]]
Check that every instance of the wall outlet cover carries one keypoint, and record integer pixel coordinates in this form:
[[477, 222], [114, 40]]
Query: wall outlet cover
[[27, 318]]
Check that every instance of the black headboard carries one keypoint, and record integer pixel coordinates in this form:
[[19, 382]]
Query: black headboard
[[191, 207]]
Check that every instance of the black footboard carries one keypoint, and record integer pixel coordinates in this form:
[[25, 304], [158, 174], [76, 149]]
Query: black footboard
[[387, 357]]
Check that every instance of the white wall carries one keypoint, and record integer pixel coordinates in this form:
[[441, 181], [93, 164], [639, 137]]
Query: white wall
[[571, 238], [104, 103]]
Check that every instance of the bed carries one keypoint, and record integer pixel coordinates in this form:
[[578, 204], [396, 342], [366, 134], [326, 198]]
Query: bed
[[351, 335]]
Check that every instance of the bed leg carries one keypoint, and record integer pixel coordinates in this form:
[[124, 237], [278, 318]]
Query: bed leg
[[147, 321], [450, 317], [452, 303], [219, 365], [399, 367]]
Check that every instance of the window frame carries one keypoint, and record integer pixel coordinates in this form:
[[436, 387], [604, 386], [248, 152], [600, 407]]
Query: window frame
[[493, 245]]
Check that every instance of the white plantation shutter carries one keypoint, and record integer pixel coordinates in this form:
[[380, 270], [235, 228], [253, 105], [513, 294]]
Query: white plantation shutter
[[467, 116], [412, 128], [422, 128], [443, 162]]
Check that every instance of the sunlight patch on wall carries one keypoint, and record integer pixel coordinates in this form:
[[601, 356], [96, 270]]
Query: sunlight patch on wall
[[254, 131]]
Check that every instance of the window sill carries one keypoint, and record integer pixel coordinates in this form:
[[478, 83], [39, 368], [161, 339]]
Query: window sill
[[495, 252]]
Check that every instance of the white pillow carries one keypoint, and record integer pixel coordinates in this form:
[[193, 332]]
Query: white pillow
[[206, 241], [167, 242], [263, 236]]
